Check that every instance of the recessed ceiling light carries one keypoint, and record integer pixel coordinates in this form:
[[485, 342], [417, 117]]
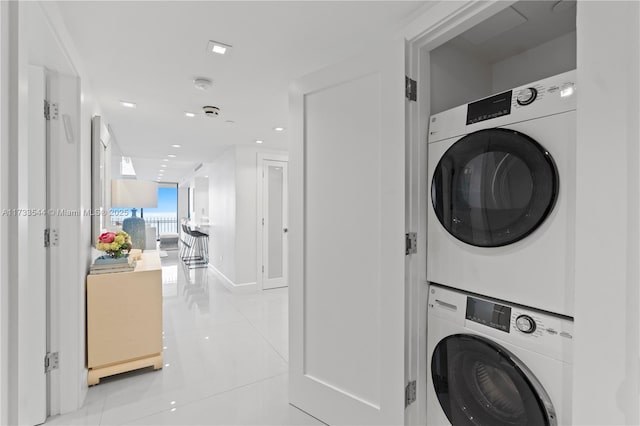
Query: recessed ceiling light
[[259, 141], [164, 165], [217, 47], [176, 146], [279, 129], [165, 160], [128, 104], [171, 156], [189, 114]]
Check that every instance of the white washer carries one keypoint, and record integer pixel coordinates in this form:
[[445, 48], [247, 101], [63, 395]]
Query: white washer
[[493, 363], [502, 189]]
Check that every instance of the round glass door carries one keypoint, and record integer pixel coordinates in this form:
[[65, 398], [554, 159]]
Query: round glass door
[[494, 187], [479, 383]]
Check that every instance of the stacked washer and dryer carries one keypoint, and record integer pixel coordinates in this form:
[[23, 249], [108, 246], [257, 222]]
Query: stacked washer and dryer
[[501, 244]]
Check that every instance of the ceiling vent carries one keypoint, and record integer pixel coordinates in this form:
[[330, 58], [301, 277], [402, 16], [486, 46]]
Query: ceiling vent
[[202, 83], [211, 111]]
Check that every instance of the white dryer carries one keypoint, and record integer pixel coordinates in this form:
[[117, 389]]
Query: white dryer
[[496, 364], [502, 188]]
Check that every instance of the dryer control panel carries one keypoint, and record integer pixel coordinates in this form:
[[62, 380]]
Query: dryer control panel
[[552, 95]]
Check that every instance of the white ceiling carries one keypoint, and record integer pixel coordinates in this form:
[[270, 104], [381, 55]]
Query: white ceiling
[[525, 24], [149, 52]]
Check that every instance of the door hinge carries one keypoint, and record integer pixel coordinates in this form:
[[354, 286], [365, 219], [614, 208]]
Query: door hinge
[[51, 361], [263, 221], [411, 243], [410, 393], [50, 237], [410, 89], [263, 269], [50, 110]]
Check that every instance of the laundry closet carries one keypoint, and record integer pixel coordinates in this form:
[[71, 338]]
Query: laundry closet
[[501, 214], [479, 218]]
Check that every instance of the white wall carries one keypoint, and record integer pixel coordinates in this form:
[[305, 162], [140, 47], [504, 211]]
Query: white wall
[[183, 201], [222, 214], [246, 211], [233, 212], [201, 199], [606, 343], [548, 59], [457, 78]]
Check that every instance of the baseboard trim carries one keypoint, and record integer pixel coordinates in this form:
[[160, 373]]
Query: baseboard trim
[[230, 285]]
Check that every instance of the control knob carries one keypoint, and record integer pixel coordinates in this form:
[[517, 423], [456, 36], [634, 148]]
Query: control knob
[[525, 324], [526, 96]]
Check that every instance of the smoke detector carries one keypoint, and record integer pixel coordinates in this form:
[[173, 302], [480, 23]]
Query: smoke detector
[[211, 111], [202, 83]]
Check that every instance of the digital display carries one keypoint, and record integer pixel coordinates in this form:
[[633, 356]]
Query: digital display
[[488, 108], [488, 313]]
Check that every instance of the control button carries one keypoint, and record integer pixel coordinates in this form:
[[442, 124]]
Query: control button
[[551, 331], [526, 96], [526, 324], [565, 334]]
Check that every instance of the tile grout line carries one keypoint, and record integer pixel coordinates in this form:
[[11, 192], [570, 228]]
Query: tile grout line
[[229, 300], [205, 397], [265, 338]]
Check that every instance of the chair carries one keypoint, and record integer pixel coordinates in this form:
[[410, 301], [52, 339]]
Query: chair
[[195, 247]]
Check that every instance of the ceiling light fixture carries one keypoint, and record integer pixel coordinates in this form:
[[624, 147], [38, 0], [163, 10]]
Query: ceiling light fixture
[[259, 141], [176, 146], [128, 104], [164, 165], [189, 114], [217, 47], [165, 160], [279, 129], [171, 156], [202, 83]]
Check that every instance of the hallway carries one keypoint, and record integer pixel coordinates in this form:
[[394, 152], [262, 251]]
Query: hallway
[[225, 355]]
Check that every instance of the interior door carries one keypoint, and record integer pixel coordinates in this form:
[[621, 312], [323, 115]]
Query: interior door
[[32, 221], [275, 232], [346, 234]]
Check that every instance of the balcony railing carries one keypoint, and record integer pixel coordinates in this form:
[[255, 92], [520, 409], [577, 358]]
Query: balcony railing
[[163, 225]]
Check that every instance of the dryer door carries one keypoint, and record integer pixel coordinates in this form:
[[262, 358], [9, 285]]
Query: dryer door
[[494, 187], [480, 383]]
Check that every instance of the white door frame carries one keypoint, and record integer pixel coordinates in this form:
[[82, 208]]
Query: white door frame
[[424, 34], [10, 135], [260, 158]]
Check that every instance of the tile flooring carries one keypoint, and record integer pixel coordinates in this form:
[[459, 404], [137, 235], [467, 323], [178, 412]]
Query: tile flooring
[[226, 362]]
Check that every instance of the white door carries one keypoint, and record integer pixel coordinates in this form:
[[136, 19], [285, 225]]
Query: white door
[[274, 228], [32, 221], [346, 234]]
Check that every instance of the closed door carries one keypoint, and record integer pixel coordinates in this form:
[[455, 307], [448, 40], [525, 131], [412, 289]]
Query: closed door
[[347, 289], [274, 227]]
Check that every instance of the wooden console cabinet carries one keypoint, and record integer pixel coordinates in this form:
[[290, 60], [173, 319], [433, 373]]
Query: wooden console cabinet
[[124, 319]]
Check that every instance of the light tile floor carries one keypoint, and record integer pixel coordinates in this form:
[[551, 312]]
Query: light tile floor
[[226, 362]]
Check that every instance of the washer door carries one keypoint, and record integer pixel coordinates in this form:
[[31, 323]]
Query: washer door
[[480, 383], [494, 187]]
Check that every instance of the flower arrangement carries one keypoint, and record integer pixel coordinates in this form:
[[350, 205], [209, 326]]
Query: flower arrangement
[[114, 243]]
